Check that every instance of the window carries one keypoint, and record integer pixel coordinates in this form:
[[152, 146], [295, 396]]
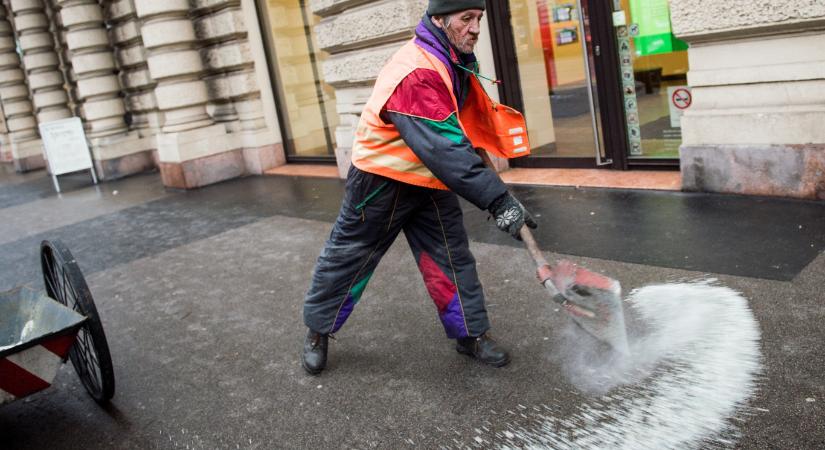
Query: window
[[306, 103]]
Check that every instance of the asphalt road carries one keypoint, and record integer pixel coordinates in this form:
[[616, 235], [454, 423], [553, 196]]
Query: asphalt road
[[200, 294]]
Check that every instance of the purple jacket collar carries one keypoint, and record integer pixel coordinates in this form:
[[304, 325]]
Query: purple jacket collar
[[434, 41]]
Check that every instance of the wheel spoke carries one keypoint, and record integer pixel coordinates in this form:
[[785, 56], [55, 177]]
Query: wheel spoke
[[67, 285], [61, 285], [52, 289], [75, 297], [91, 358], [50, 274], [54, 279], [90, 373]]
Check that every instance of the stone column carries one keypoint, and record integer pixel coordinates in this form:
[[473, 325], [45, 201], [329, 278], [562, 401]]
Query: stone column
[[232, 79], [25, 146], [757, 69], [193, 151], [5, 147], [138, 85], [90, 63], [173, 61], [218, 31], [360, 41], [40, 60], [63, 54], [98, 89]]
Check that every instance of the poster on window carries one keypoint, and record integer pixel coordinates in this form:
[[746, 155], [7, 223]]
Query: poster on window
[[652, 21]]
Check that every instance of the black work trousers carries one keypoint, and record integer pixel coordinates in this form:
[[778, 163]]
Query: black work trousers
[[374, 210]]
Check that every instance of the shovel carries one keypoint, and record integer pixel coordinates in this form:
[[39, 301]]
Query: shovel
[[591, 300]]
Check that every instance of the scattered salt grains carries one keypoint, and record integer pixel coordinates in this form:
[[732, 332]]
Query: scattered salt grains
[[686, 384]]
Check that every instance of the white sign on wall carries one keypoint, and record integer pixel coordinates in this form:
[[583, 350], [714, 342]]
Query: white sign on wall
[[66, 148]]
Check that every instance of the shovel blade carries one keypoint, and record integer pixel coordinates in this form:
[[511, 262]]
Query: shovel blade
[[593, 301]]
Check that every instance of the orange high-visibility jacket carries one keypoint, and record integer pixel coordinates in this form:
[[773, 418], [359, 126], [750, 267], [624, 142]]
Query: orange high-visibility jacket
[[379, 148]]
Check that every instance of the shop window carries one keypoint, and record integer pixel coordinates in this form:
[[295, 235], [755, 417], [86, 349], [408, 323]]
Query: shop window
[[654, 69], [306, 103], [550, 51]]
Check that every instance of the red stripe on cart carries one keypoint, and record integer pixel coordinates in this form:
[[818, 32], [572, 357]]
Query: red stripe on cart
[[18, 381], [60, 346]]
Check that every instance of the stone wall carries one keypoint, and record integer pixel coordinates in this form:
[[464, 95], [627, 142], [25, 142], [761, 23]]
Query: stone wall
[[697, 20], [757, 70], [360, 37], [22, 145], [172, 84]]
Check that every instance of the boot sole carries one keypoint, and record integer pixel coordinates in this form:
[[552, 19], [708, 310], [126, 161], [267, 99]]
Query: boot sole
[[313, 372], [499, 363]]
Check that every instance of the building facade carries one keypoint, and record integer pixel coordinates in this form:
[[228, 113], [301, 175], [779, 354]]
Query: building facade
[[733, 95]]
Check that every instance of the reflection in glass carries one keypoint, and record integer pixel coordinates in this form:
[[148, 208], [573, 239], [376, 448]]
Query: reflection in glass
[[660, 66], [307, 103], [553, 80]]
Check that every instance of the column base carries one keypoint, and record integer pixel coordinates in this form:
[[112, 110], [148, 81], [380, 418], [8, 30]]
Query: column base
[[796, 171], [260, 159], [123, 155], [28, 155], [5, 149], [29, 163], [261, 151], [209, 155], [116, 168], [203, 171]]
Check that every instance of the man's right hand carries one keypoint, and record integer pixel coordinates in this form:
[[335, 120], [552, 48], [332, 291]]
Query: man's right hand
[[511, 215]]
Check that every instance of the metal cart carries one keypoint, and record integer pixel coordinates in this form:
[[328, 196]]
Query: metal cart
[[41, 330]]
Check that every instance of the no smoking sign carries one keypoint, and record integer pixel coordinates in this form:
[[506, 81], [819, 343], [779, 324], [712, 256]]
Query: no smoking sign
[[680, 100]]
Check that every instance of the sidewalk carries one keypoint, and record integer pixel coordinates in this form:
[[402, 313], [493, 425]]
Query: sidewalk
[[200, 295]]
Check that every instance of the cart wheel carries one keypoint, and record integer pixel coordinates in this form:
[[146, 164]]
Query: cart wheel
[[90, 354]]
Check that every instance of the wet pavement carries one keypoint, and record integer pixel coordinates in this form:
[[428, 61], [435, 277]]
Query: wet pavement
[[200, 295]]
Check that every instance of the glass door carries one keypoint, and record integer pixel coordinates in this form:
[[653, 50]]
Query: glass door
[[552, 52], [306, 104], [653, 65]]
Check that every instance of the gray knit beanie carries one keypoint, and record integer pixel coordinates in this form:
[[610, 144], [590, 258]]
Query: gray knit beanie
[[442, 7]]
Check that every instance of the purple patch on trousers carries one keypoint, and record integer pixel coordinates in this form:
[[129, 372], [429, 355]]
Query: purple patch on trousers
[[343, 313], [453, 320]]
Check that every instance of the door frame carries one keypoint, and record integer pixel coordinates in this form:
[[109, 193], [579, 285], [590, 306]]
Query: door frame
[[604, 56]]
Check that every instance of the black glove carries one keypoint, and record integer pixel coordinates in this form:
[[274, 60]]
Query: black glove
[[510, 215]]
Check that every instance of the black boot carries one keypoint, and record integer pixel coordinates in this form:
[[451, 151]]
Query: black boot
[[484, 349], [314, 358]]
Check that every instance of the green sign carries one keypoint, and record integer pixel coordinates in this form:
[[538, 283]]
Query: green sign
[[655, 33]]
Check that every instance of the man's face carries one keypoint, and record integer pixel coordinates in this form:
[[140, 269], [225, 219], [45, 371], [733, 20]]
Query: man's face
[[463, 28]]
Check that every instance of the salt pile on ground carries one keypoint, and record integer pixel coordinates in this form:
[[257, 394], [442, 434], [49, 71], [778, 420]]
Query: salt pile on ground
[[689, 375]]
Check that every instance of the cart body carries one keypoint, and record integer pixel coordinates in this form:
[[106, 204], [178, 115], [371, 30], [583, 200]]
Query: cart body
[[36, 334]]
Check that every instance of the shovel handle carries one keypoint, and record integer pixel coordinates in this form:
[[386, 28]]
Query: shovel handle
[[532, 246], [524, 232]]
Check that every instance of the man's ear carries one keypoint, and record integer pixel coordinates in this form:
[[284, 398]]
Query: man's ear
[[437, 22]]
